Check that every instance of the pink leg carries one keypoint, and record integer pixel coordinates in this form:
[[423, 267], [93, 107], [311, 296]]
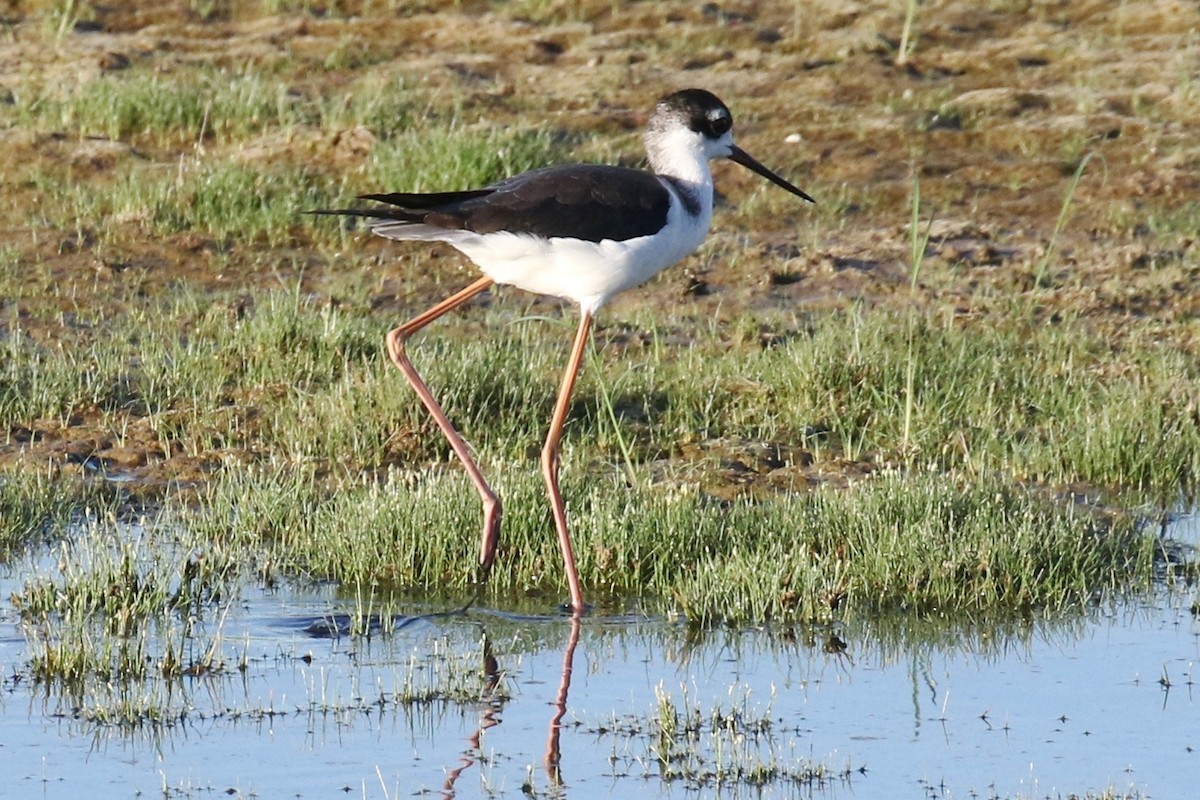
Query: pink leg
[[550, 459], [396, 339]]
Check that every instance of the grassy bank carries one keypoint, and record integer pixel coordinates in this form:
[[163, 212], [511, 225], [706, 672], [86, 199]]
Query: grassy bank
[[689, 461]]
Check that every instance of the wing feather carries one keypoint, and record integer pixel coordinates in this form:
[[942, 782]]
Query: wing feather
[[586, 201]]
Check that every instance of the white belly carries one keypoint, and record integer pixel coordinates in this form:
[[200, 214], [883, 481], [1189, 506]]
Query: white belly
[[589, 273]]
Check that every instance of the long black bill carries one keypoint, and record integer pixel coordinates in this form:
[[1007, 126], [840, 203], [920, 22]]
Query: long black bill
[[740, 156]]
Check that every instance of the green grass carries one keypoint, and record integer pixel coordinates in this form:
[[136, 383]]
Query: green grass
[[216, 106], [342, 476], [918, 544], [124, 615], [1053, 404], [726, 747], [225, 200], [460, 156], [37, 507], [180, 109], [338, 473], [122, 607], [237, 154]]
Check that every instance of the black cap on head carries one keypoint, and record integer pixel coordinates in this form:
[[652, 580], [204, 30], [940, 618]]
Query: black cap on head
[[701, 110]]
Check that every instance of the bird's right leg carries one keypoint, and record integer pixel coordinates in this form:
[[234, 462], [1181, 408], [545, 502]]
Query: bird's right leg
[[550, 458], [396, 339]]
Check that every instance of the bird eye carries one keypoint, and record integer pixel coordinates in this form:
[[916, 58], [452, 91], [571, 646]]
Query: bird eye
[[720, 125]]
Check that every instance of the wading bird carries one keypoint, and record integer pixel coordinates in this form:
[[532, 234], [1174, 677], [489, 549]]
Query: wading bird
[[582, 232]]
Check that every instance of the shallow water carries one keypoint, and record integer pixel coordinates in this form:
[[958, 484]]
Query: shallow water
[[888, 709]]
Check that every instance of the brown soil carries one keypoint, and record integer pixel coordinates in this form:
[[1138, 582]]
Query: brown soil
[[994, 110]]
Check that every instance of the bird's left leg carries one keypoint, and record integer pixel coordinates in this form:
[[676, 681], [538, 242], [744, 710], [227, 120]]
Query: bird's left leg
[[396, 339]]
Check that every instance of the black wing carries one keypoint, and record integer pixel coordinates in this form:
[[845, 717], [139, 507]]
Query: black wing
[[590, 202]]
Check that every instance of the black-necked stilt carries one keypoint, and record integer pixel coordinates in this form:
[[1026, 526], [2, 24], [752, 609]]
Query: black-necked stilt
[[582, 232]]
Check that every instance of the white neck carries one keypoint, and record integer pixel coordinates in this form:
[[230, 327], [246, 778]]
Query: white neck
[[679, 153]]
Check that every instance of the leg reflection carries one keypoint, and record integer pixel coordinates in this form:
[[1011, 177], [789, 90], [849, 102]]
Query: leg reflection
[[553, 752], [487, 717]]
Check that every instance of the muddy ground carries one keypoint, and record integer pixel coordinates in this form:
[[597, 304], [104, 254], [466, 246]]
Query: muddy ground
[[994, 109]]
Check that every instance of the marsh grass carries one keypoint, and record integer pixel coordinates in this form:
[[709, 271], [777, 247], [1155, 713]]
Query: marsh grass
[[121, 612], [38, 507], [124, 606], [461, 156], [1049, 403], [918, 244], [918, 544], [298, 382], [224, 200], [128, 626], [166, 109], [729, 746], [344, 477], [212, 106], [738, 744]]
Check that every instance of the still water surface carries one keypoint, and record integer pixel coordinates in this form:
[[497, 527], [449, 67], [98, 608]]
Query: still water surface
[[887, 709]]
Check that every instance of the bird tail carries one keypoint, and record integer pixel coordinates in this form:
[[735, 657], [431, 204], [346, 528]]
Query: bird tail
[[390, 214], [404, 207]]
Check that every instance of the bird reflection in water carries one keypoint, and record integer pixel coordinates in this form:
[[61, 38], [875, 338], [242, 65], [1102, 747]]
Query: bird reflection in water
[[492, 703]]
